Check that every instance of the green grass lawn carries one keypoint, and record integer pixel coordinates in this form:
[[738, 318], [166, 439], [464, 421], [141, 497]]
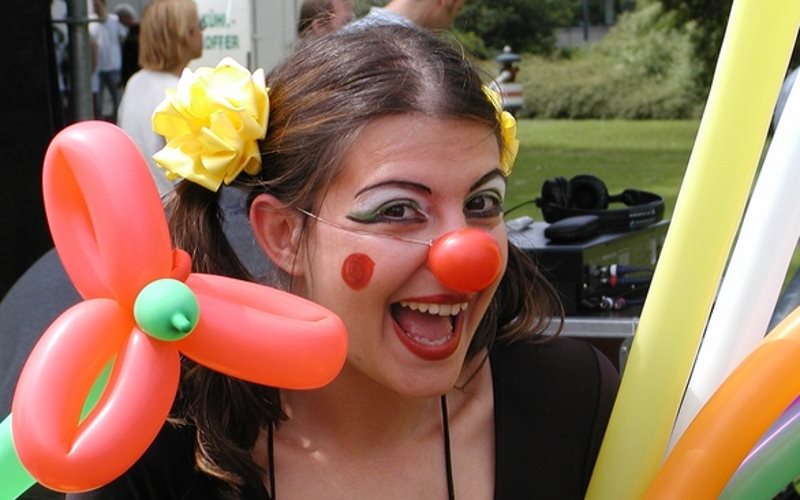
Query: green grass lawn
[[645, 155]]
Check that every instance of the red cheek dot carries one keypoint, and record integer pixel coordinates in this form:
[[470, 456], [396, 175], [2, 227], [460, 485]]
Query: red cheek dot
[[357, 271]]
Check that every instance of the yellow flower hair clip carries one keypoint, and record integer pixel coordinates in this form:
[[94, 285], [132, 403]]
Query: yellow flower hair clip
[[508, 131], [212, 123]]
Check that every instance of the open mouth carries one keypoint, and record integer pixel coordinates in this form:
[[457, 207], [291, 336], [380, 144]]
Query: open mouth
[[429, 330]]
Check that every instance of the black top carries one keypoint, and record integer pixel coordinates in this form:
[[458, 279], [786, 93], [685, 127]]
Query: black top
[[552, 404]]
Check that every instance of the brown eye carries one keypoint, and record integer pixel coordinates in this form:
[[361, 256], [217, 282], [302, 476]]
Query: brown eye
[[394, 212], [483, 205], [403, 211]]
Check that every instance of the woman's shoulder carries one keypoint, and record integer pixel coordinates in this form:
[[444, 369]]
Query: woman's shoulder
[[553, 359], [144, 79], [564, 373]]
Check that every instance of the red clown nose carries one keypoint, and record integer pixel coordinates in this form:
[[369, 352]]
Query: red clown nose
[[466, 260]]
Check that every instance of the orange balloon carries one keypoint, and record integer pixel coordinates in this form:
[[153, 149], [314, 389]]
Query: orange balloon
[[722, 434], [52, 443]]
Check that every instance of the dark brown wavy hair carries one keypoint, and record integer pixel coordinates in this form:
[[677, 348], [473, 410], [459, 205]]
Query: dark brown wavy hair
[[321, 98]]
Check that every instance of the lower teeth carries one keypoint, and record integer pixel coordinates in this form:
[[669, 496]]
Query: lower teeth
[[431, 342]]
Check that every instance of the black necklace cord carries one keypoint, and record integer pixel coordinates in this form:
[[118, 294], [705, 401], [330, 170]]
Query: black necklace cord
[[270, 457], [451, 494]]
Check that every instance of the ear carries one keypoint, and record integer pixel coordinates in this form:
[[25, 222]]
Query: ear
[[277, 229]]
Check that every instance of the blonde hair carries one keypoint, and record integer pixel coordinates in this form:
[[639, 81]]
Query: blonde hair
[[164, 34]]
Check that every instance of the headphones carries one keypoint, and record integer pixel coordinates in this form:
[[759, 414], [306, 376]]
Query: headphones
[[588, 195]]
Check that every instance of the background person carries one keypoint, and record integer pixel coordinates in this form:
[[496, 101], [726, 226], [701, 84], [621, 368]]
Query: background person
[[318, 17], [437, 15], [445, 393], [106, 34], [170, 37], [130, 42]]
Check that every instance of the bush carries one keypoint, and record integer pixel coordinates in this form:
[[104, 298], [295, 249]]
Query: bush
[[472, 44], [641, 69]]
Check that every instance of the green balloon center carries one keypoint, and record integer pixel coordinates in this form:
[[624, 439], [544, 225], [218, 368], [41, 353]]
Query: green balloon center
[[166, 309]]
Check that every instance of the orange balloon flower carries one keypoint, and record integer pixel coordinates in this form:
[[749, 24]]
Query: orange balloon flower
[[142, 308]]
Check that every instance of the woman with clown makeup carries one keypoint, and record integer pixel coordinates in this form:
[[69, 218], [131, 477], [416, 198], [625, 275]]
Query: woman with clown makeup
[[376, 163]]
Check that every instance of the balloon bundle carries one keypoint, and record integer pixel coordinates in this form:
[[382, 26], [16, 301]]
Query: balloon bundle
[[709, 384]]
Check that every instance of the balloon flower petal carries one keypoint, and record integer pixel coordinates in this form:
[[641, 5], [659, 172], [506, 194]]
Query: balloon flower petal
[[107, 224], [51, 439], [299, 351]]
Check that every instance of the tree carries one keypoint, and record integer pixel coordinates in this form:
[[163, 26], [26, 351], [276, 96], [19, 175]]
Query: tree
[[709, 19], [525, 25]]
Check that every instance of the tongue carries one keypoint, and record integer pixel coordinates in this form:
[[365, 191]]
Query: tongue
[[422, 325]]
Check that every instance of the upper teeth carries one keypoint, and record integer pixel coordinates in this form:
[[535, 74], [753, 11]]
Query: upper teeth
[[437, 309]]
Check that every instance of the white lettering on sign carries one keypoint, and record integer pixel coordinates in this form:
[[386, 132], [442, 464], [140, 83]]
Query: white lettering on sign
[[226, 31]]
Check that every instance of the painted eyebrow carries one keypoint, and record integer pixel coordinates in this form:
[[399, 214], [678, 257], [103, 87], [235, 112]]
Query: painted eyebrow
[[489, 176], [415, 186]]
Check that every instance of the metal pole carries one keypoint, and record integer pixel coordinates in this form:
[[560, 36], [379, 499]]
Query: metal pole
[[585, 19], [80, 54], [252, 62], [609, 12]]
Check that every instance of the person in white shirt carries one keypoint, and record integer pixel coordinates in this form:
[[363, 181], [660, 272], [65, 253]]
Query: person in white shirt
[[170, 36], [106, 33]]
